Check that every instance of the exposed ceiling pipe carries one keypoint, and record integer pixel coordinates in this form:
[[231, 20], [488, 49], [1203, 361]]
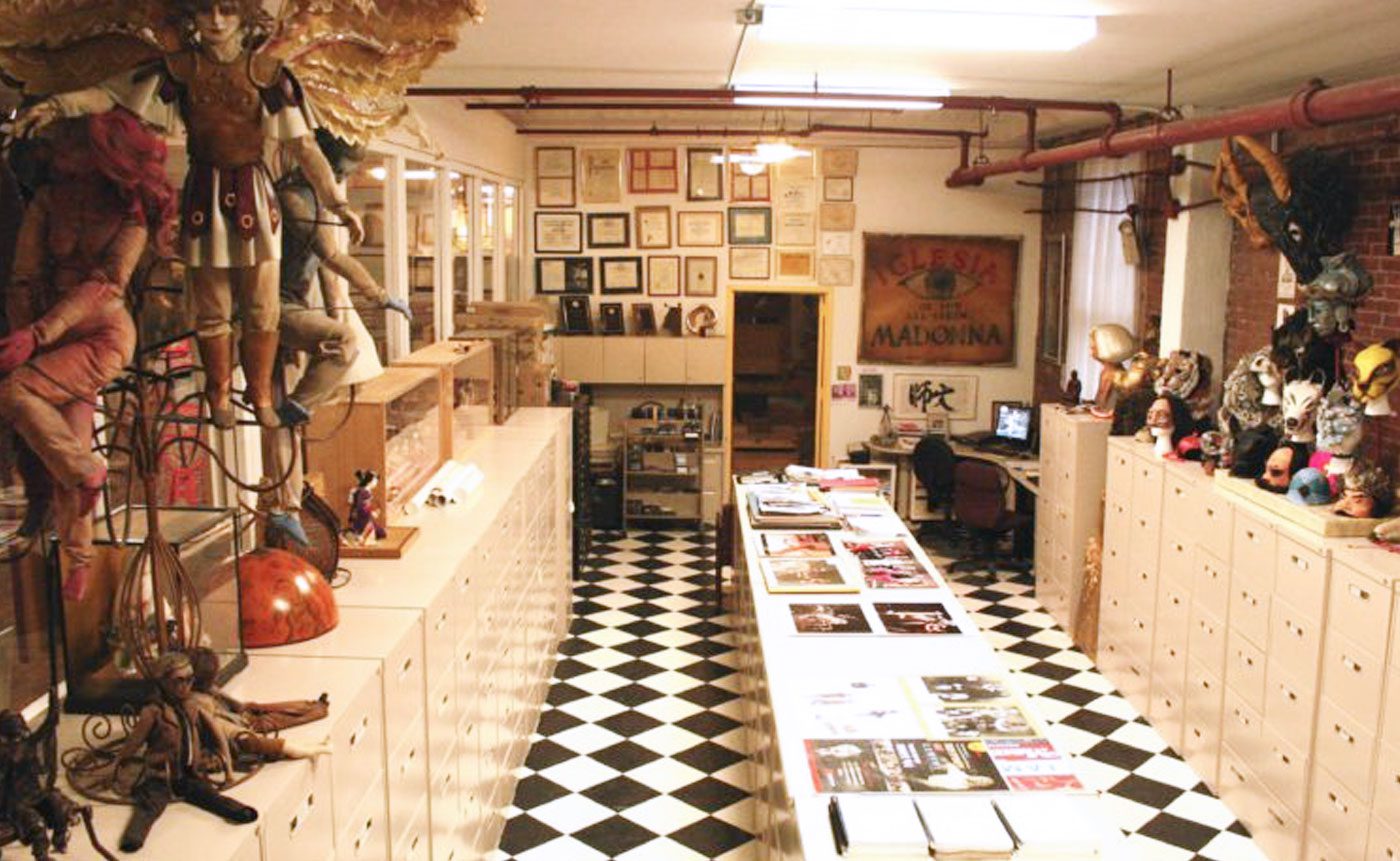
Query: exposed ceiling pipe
[[1313, 105], [816, 128]]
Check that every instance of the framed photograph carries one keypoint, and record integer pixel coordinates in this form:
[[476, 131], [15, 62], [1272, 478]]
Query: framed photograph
[[839, 189], [872, 391], [558, 232], [701, 276], [704, 173], [643, 318], [1052, 299], [916, 395], [610, 320], [939, 300], [554, 176], [564, 274], [609, 230], [620, 274], [750, 263], [838, 216], [664, 275], [601, 175], [797, 167], [797, 195], [840, 161], [652, 170], [837, 244], [794, 264], [576, 313], [797, 228], [745, 187], [699, 229], [836, 271], [653, 227], [750, 225]]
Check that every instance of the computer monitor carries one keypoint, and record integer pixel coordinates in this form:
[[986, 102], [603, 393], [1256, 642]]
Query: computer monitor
[[1013, 422]]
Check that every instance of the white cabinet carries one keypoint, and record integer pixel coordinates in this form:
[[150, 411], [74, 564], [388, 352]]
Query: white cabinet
[[1071, 500], [643, 359]]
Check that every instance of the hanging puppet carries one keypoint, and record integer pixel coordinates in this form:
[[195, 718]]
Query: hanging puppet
[[70, 332], [235, 80]]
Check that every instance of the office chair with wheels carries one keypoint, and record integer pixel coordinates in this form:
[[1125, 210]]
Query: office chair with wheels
[[932, 462], [979, 503]]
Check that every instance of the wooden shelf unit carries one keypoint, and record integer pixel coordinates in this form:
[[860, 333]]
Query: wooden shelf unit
[[677, 491]]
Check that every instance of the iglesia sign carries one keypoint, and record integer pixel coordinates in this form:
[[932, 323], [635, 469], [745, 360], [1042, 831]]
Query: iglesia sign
[[939, 300]]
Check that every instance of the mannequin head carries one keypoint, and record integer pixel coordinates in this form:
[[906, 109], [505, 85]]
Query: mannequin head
[[1339, 423], [1377, 370], [1279, 469], [1111, 344], [1300, 402], [1367, 491]]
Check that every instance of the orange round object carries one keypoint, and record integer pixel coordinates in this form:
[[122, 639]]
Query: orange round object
[[283, 599]]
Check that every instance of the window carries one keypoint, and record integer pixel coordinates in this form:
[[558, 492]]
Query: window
[[366, 190], [487, 226], [510, 242], [461, 246], [422, 228]]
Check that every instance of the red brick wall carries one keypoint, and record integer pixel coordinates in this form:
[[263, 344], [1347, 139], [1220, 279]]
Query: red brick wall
[[1253, 273]]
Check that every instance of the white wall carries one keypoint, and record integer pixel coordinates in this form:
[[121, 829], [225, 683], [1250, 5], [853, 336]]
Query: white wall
[[481, 139], [902, 191]]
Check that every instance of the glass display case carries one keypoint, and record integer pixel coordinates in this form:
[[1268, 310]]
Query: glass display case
[[421, 181], [396, 425], [366, 191], [208, 541], [461, 204], [465, 370]]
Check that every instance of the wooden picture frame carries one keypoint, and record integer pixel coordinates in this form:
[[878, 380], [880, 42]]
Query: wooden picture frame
[[750, 263], [643, 318], [838, 189], [558, 232], [915, 395], [1053, 298], [837, 243], [840, 161], [653, 227], [620, 274], [610, 319], [795, 264], [663, 275], [554, 275], [796, 228], [699, 229], [796, 195], [554, 177], [576, 315], [600, 175], [871, 391], [749, 188], [838, 216], [750, 225], [609, 230], [701, 276], [704, 173], [836, 271], [652, 170]]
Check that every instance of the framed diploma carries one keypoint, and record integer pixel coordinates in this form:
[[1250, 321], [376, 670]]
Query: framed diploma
[[621, 274], [836, 271], [701, 276], [838, 216], [601, 175], [653, 227], [794, 264], [797, 228], [840, 161], [748, 187], [704, 174], [797, 195], [664, 276], [838, 189], [699, 229], [564, 274], [554, 177], [750, 225], [749, 263], [609, 230], [836, 244], [652, 170], [558, 232]]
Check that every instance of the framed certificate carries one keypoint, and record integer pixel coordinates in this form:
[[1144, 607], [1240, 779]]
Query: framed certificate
[[699, 229], [664, 276], [840, 161], [652, 170], [609, 230], [749, 263], [558, 232], [836, 271], [601, 175], [837, 243], [750, 225], [838, 189], [653, 227], [797, 228], [701, 276], [797, 195], [554, 177], [745, 186], [621, 274], [794, 264], [704, 174], [564, 274], [838, 216]]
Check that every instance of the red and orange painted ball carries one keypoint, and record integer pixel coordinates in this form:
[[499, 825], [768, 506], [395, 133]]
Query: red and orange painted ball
[[283, 599]]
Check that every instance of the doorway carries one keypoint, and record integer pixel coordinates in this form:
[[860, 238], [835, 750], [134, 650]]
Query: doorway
[[777, 383]]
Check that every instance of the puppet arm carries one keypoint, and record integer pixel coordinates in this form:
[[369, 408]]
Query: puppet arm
[[318, 172], [105, 283], [93, 100]]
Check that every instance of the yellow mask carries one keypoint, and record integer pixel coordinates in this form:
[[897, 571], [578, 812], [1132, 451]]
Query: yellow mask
[[1377, 371]]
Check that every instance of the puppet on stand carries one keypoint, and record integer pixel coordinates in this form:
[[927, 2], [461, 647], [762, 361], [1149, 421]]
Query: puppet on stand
[[1111, 345], [35, 814], [1377, 373], [1339, 431], [364, 525], [70, 332], [1168, 422]]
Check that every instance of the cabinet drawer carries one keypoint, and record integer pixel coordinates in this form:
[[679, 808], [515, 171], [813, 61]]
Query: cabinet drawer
[[1169, 666], [445, 811], [1295, 642], [1177, 557], [365, 835], [1360, 607], [1136, 682], [301, 824], [1347, 749], [1352, 678], [1119, 476], [404, 688], [1284, 770], [1178, 493], [1253, 545], [1242, 728], [1147, 488], [1288, 706], [1168, 714], [1277, 832], [443, 717], [1384, 842], [358, 741], [1207, 641], [414, 844], [440, 638], [1249, 611], [408, 786], [1217, 523], [1211, 584], [1200, 746], [1142, 586], [1301, 575], [1244, 671], [1139, 635], [1386, 799], [1146, 539], [1390, 718], [1338, 816], [1318, 849]]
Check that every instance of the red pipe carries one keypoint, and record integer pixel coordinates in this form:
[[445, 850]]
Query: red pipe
[[815, 128], [1314, 105]]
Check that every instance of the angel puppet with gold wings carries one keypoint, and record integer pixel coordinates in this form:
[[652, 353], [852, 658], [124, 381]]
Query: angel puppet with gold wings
[[235, 79]]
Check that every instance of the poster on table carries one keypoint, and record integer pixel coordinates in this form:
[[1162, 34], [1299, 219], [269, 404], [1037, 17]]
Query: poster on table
[[939, 300]]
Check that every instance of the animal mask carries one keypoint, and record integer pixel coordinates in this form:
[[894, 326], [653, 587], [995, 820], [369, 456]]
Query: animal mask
[[1300, 400], [1339, 425], [1377, 371], [1301, 353], [1187, 374], [1332, 297], [1242, 406]]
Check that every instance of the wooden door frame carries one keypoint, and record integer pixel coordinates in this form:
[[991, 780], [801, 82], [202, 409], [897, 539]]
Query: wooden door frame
[[822, 419]]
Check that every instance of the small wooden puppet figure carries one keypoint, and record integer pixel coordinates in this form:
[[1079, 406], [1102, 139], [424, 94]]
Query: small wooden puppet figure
[[246, 725], [364, 525], [71, 334], [38, 816], [231, 100]]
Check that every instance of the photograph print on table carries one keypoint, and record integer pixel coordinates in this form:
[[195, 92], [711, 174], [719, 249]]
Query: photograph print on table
[[916, 618], [829, 618], [898, 574], [786, 576], [946, 766], [985, 720], [1032, 764], [797, 545], [857, 708]]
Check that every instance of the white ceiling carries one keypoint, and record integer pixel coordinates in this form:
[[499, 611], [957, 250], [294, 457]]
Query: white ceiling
[[1223, 54]]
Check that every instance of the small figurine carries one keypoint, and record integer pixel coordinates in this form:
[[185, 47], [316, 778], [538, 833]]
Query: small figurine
[[1168, 422], [1074, 390], [1111, 345], [364, 526], [70, 332], [1377, 372], [1300, 402], [1214, 447], [1367, 491], [248, 725], [1339, 431], [39, 817], [1187, 374], [1332, 297], [167, 745]]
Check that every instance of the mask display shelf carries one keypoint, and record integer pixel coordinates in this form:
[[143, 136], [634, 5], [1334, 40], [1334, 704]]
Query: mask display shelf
[[393, 426], [101, 677], [466, 377], [1317, 519]]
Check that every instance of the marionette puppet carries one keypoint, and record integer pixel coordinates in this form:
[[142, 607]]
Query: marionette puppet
[[236, 81], [1111, 345], [364, 526], [82, 236], [247, 726], [36, 815]]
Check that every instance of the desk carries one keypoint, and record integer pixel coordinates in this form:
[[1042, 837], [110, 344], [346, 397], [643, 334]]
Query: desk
[[910, 500]]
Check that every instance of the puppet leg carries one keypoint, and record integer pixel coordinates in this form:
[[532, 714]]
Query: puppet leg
[[150, 797], [213, 307], [74, 527], [330, 348], [38, 488], [261, 308], [29, 399], [209, 799], [280, 458]]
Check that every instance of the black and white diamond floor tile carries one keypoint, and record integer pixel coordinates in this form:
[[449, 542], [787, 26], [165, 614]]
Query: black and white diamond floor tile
[[640, 754]]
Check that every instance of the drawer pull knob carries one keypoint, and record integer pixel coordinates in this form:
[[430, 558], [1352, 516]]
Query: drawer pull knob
[[1343, 734], [1338, 803], [1286, 692], [1278, 820], [293, 825], [1235, 772], [1350, 664], [407, 665], [1358, 593]]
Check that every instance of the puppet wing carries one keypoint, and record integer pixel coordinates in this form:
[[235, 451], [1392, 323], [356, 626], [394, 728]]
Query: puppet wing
[[356, 59], [55, 46]]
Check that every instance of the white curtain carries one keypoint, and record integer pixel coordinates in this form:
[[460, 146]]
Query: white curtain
[[1102, 287]]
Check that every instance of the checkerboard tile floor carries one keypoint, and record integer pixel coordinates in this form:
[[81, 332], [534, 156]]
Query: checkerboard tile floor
[[640, 755]]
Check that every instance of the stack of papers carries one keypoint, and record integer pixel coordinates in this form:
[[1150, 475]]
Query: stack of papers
[[789, 506], [1049, 827], [877, 827], [965, 829]]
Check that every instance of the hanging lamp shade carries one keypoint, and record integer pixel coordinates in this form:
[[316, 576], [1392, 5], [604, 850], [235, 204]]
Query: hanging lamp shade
[[284, 599]]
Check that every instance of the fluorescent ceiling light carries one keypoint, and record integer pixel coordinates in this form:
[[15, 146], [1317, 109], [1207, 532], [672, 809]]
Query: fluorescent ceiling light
[[833, 101], [411, 174], [893, 24]]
